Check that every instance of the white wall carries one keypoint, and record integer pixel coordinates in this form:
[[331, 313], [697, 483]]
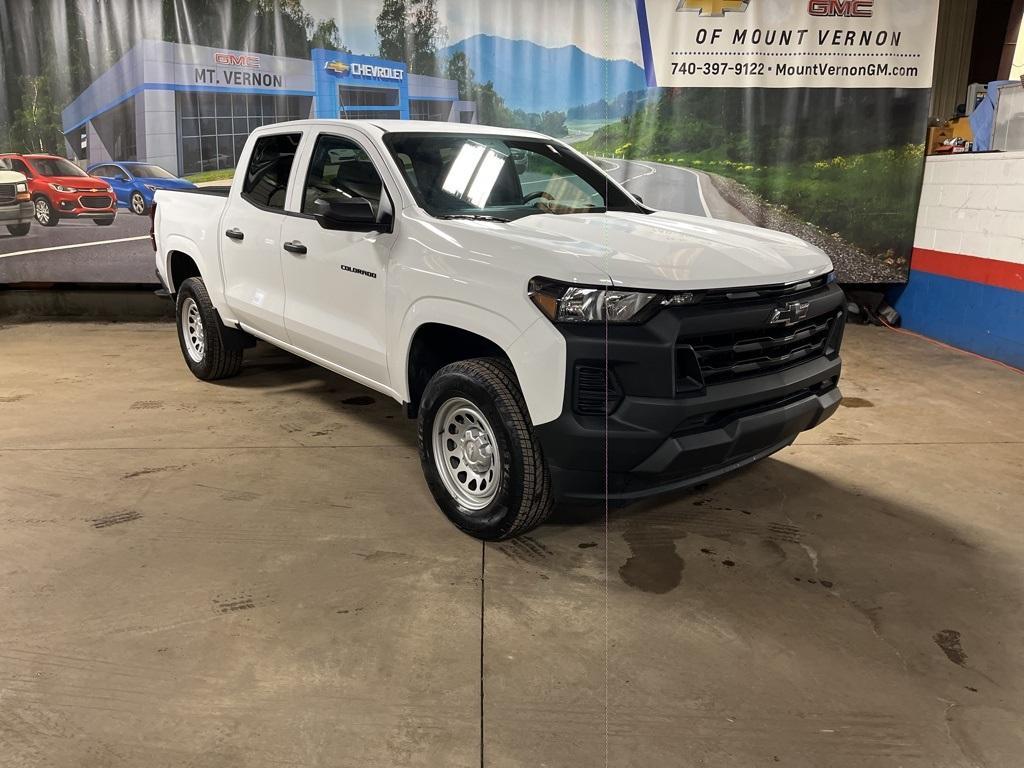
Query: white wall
[[973, 204]]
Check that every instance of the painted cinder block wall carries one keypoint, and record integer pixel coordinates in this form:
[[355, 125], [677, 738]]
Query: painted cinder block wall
[[966, 283]]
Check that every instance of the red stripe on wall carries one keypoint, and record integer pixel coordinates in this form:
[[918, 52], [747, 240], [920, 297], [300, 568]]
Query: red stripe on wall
[[1002, 274]]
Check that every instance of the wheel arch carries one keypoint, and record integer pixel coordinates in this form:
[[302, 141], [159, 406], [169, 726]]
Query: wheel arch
[[537, 356], [180, 267], [435, 345]]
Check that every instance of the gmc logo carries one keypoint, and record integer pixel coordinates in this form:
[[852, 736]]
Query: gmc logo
[[860, 9], [237, 59]]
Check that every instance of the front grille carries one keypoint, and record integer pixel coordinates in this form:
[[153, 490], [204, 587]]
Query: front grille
[[740, 296], [94, 202], [7, 194], [596, 392], [737, 355]]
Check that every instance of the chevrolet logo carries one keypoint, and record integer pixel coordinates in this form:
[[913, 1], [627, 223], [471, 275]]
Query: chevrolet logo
[[338, 67], [791, 314], [713, 7]]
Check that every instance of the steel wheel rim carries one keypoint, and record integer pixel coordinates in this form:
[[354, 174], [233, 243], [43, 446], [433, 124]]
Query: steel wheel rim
[[466, 454], [138, 204], [192, 330], [42, 211]]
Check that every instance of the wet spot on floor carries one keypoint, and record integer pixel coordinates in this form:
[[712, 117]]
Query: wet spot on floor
[[653, 564], [359, 400], [115, 519], [949, 641], [587, 544], [857, 402]]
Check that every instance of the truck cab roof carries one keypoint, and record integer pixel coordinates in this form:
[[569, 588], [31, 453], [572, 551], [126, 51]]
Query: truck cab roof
[[378, 128]]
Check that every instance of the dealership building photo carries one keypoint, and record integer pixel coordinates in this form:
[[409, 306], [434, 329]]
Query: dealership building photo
[[190, 108]]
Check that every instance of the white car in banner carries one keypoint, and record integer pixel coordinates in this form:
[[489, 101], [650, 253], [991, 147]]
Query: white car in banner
[[554, 337]]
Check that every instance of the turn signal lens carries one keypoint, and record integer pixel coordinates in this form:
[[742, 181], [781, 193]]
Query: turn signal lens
[[563, 303]]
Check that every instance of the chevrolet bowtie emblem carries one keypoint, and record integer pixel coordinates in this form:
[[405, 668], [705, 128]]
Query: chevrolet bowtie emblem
[[713, 7], [791, 314]]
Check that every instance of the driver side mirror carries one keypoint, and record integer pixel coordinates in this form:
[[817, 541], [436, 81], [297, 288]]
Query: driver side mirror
[[347, 213]]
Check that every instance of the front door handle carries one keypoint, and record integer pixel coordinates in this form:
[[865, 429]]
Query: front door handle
[[294, 246], [235, 234]]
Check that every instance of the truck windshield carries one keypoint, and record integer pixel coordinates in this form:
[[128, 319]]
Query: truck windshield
[[150, 172], [56, 166], [500, 177]]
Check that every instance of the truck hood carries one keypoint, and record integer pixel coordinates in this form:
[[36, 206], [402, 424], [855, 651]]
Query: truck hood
[[672, 251]]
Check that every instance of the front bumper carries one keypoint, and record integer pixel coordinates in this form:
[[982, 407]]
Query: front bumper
[[665, 431], [18, 213], [84, 205]]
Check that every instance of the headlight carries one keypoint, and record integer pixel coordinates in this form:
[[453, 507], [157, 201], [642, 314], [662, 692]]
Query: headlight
[[62, 188], [564, 303], [150, 187], [21, 187]]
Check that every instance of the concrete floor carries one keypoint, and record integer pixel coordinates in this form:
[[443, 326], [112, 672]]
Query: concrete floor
[[253, 574]]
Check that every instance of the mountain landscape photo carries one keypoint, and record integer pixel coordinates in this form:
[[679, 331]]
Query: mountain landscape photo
[[533, 78]]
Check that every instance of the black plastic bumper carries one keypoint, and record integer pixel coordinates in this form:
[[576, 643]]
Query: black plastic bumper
[[660, 435]]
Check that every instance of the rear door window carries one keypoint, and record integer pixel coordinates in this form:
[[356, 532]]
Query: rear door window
[[270, 167]]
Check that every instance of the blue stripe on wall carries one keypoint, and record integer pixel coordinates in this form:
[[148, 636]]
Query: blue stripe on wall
[[980, 318]]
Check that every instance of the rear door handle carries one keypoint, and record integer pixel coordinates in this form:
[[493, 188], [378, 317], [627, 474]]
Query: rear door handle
[[235, 234], [294, 246]]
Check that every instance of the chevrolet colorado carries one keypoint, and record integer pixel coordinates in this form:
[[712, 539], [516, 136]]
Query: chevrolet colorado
[[554, 337]]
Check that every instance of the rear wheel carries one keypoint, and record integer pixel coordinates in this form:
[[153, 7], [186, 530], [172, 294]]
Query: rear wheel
[[138, 204], [45, 214], [19, 230], [202, 336], [482, 462]]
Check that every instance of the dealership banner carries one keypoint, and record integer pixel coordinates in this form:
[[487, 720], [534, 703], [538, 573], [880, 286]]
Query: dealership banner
[[804, 116], [788, 43]]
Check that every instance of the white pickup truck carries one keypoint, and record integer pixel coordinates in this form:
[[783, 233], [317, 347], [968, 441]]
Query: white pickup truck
[[555, 338]]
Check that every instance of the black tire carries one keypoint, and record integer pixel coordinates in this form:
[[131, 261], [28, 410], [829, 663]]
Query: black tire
[[104, 222], [19, 230], [218, 359], [44, 212], [524, 499]]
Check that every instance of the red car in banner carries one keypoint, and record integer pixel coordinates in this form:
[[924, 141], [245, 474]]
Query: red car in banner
[[62, 190]]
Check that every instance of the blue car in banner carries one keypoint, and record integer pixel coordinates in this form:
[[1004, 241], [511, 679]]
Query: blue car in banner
[[135, 183]]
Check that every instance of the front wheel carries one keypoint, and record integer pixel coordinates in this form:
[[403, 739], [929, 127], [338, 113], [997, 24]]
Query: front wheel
[[19, 230], [138, 204], [45, 214], [481, 460], [201, 334]]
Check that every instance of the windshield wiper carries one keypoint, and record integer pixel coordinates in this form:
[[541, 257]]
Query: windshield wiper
[[474, 217]]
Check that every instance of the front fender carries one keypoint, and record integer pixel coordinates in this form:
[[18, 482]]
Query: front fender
[[537, 355]]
